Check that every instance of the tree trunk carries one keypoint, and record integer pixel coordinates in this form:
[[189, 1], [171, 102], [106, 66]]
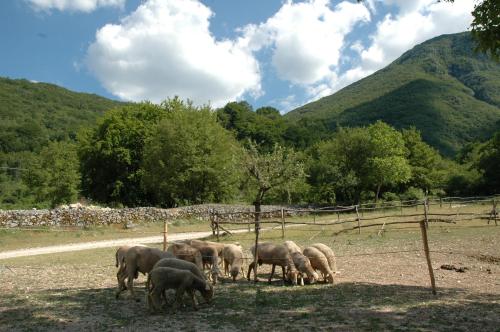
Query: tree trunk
[[378, 193]]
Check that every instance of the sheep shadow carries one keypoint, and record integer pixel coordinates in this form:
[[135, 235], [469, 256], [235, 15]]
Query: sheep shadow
[[246, 305]]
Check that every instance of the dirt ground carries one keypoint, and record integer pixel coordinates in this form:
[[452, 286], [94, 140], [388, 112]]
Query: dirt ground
[[383, 284]]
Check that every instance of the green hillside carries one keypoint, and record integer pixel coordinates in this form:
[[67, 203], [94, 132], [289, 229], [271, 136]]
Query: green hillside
[[31, 114], [451, 94]]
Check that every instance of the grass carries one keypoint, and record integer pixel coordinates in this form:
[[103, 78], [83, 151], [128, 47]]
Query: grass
[[383, 285]]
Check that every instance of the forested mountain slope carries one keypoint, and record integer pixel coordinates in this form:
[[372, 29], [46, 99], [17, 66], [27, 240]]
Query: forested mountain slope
[[451, 94]]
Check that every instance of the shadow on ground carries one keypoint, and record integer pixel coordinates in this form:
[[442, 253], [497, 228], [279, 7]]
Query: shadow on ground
[[248, 306]]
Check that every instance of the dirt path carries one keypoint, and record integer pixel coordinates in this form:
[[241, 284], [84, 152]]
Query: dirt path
[[104, 244]]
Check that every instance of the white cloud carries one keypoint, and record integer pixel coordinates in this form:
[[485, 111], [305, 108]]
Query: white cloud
[[416, 22], [428, 19], [165, 48], [306, 37], [75, 5]]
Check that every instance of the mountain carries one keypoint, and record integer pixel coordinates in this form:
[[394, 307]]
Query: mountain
[[441, 87], [31, 113]]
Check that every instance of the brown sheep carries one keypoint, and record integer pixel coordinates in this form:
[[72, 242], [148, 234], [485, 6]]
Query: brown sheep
[[319, 262], [292, 247], [330, 255], [304, 267], [120, 258], [274, 254], [201, 243], [233, 257], [163, 278], [138, 259], [186, 252]]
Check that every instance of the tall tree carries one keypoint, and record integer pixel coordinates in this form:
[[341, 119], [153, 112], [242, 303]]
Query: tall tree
[[191, 159], [111, 153], [53, 175]]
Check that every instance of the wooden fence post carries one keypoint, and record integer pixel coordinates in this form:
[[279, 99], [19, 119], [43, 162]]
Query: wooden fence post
[[212, 223], [282, 223], [426, 210], [217, 227], [427, 255], [165, 230], [494, 213], [257, 230], [357, 218]]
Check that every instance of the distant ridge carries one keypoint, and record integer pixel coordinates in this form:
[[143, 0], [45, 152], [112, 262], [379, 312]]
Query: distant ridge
[[33, 113], [451, 94]]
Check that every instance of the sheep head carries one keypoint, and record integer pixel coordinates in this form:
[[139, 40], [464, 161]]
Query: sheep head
[[208, 293]]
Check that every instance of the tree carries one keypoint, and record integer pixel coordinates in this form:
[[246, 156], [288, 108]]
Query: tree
[[111, 153], [358, 159], [265, 126], [275, 169], [489, 164], [53, 176], [427, 167], [191, 159]]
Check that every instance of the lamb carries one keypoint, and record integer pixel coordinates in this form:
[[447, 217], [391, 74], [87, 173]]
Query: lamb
[[186, 252], [304, 267], [292, 247], [162, 278], [178, 264], [330, 256], [233, 256], [274, 254], [319, 262], [138, 259]]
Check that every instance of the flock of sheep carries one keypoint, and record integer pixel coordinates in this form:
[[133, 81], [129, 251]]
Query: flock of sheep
[[182, 267]]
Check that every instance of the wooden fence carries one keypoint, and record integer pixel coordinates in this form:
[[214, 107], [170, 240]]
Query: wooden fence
[[357, 217]]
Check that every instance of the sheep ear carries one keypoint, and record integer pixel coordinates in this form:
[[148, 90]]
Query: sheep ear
[[207, 287]]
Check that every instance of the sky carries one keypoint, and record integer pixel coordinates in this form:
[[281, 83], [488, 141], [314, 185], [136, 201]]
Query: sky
[[267, 52]]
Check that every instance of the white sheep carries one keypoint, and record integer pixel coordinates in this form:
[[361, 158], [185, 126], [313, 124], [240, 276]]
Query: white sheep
[[319, 262], [233, 258], [274, 254]]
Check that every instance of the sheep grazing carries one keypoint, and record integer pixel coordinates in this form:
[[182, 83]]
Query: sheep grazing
[[186, 252], [304, 267], [274, 254], [233, 257], [319, 262], [292, 247], [330, 255], [178, 264], [163, 278], [138, 259], [210, 258], [120, 258]]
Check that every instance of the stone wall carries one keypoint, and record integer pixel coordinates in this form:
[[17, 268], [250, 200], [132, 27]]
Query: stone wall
[[77, 215]]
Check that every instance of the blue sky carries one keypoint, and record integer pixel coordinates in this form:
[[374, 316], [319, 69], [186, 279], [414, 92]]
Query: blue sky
[[268, 52]]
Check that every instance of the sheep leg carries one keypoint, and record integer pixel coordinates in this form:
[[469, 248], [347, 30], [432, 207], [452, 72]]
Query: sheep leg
[[284, 274], [121, 284], [272, 273], [178, 297], [193, 299], [130, 285], [226, 268], [155, 296], [250, 268]]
